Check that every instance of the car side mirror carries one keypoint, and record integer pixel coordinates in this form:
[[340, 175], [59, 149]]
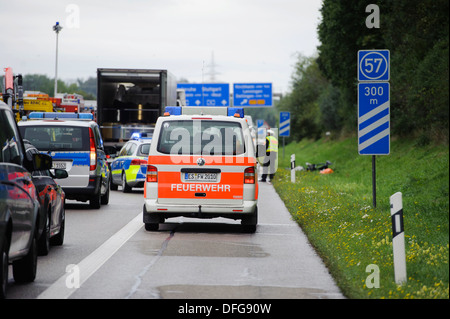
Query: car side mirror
[[42, 162]]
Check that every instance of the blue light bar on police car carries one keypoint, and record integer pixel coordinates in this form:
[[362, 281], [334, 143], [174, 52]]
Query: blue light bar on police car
[[204, 110], [135, 136], [140, 136], [60, 116]]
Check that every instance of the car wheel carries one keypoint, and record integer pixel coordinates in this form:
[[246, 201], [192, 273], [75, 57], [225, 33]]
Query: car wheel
[[151, 226], [58, 239], [4, 268], [44, 240], [24, 270], [125, 187], [249, 223], [95, 201], [105, 198], [249, 228], [113, 186], [151, 221]]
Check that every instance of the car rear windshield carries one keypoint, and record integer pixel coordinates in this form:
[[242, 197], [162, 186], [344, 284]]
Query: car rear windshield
[[57, 138], [205, 137]]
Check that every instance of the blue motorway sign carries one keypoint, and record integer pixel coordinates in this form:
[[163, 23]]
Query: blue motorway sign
[[252, 94], [373, 118], [206, 94], [373, 65], [285, 124]]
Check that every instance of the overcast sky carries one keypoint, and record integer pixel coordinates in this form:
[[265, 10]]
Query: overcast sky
[[252, 40]]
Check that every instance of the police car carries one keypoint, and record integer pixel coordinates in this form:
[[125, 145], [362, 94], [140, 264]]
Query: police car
[[201, 164], [74, 142], [129, 168]]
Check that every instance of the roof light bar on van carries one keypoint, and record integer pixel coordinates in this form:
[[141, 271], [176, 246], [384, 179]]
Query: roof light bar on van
[[236, 112], [172, 110], [204, 110], [60, 116]]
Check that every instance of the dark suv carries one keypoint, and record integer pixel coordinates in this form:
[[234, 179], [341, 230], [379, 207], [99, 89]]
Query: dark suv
[[19, 205]]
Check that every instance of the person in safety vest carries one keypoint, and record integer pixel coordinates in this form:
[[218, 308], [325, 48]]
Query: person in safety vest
[[269, 164]]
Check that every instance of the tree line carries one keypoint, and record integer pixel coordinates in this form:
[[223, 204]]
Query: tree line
[[323, 96]]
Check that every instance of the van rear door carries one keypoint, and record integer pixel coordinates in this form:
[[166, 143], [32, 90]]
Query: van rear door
[[67, 145], [204, 162], [188, 183]]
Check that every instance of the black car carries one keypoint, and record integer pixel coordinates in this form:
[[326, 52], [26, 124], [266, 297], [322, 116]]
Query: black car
[[19, 205], [52, 199]]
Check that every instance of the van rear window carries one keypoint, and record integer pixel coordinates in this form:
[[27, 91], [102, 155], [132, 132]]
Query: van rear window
[[201, 137], [57, 138]]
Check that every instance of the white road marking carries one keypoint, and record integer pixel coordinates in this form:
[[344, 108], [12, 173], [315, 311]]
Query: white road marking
[[89, 265]]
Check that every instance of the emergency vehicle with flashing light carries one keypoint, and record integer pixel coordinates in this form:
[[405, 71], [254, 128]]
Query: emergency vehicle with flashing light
[[74, 142], [202, 164], [129, 168]]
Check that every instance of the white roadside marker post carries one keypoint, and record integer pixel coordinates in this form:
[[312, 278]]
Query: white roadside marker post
[[398, 238], [293, 168]]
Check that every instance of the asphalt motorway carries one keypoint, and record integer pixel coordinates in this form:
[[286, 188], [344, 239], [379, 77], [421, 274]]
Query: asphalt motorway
[[107, 254]]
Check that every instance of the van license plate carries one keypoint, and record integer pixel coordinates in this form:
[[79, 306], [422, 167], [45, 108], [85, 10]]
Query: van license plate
[[208, 177]]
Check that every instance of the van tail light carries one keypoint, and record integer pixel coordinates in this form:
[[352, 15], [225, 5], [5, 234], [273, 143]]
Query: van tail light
[[249, 175], [138, 161], [93, 151], [152, 174]]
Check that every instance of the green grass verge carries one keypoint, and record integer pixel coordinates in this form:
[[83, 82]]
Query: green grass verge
[[336, 213]]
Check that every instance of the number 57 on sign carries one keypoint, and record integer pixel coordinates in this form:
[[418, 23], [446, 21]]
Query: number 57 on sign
[[373, 65]]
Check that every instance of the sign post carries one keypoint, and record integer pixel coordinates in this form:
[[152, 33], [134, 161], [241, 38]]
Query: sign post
[[293, 168], [373, 106], [398, 238]]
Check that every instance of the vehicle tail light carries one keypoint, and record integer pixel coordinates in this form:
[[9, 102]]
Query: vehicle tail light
[[93, 151], [138, 161], [249, 175], [152, 174]]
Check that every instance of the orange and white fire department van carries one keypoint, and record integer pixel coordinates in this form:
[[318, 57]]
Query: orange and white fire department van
[[201, 164]]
